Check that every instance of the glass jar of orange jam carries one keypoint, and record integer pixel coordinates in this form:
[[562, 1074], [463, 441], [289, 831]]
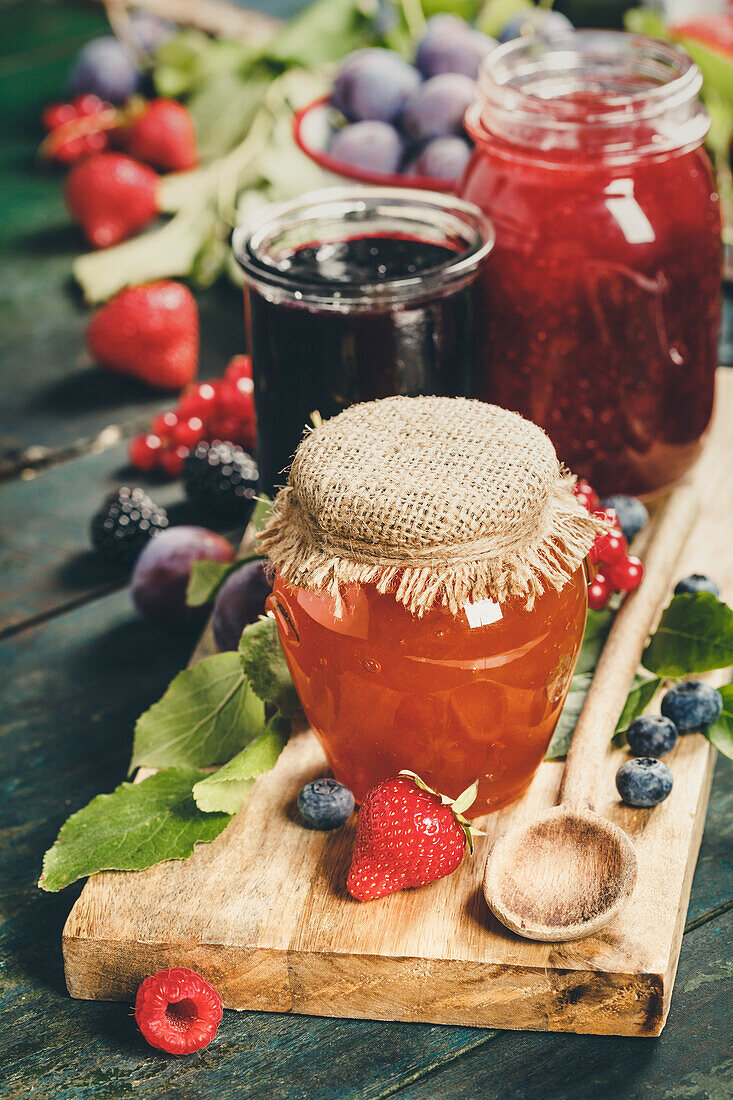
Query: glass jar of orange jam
[[430, 592], [451, 697]]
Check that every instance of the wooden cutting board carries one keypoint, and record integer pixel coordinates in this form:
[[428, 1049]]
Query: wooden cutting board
[[263, 913]]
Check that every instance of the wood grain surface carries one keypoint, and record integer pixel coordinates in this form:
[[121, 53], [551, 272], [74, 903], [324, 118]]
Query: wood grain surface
[[281, 934]]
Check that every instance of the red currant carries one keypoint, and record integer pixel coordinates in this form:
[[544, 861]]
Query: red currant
[[599, 592], [96, 142], [239, 367], [69, 150], [586, 494], [145, 451], [199, 400], [163, 424], [57, 114], [235, 399], [608, 548], [189, 432], [172, 460], [627, 574], [88, 104], [609, 515]]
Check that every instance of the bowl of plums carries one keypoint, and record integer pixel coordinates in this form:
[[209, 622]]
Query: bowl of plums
[[394, 122]]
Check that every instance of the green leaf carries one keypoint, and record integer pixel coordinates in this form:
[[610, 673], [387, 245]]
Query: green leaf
[[565, 728], [695, 634], [227, 788], [642, 692], [597, 627], [264, 665], [208, 713], [495, 13], [207, 576], [721, 733], [645, 21], [324, 31], [136, 826]]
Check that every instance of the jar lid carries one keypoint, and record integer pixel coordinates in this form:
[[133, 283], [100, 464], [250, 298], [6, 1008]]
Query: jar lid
[[438, 500]]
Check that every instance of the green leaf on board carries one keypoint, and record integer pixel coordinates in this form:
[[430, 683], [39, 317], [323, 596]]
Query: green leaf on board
[[208, 713], [264, 665], [228, 787], [207, 576], [643, 690], [695, 634], [597, 626], [721, 733], [565, 728], [136, 826]]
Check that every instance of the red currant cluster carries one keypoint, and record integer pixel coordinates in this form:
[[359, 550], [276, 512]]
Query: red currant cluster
[[78, 128], [613, 568], [222, 409]]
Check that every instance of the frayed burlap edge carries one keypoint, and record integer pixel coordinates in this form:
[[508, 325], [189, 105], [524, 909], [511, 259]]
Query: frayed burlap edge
[[309, 558]]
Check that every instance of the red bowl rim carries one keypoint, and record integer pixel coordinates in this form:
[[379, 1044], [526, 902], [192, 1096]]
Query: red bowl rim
[[331, 164]]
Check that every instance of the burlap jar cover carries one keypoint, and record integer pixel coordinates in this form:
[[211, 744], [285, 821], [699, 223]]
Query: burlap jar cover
[[439, 500]]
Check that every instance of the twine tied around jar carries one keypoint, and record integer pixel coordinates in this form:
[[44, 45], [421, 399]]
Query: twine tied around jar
[[438, 500]]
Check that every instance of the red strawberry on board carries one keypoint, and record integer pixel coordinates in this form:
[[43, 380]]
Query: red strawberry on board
[[150, 332], [111, 196], [407, 835], [164, 135]]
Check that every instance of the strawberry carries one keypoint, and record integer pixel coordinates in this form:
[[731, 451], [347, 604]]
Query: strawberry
[[150, 332], [164, 135], [407, 835], [111, 196]]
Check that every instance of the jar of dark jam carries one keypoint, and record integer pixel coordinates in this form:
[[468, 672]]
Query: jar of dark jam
[[602, 296], [356, 294]]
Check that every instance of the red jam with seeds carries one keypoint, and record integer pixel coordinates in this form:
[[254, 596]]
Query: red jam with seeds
[[602, 297]]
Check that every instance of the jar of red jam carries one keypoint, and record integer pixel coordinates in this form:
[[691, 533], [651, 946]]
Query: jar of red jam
[[358, 293], [430, 593], [602, 297]]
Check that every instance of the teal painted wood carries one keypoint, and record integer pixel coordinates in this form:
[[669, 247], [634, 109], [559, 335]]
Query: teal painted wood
[[73, 687], [46, 560]]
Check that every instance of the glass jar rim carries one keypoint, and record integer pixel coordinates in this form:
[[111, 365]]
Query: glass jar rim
[[342, 207], [635, 91]]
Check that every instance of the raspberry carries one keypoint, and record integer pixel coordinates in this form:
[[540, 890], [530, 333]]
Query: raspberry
[[178, 1011]]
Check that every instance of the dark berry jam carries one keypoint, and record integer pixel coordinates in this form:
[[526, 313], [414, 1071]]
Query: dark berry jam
[[348, 334]]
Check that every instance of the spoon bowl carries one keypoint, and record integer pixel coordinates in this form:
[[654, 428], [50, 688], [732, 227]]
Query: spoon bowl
[[562, 876]]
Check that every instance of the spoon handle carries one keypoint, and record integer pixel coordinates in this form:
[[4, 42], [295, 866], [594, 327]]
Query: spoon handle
[[620, 657]]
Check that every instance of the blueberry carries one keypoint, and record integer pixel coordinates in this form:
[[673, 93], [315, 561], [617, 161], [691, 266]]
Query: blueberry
[[631, 513], [239, 602], [370, 146], [550, 25], [450, 46], [443, 158], [650, 736], [692, 705], [644, 781], [374, 84], [696, 582], [438, 106], [325, 804], [105, 69]]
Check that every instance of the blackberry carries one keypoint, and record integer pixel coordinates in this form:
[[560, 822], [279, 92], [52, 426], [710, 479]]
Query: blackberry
[[220, 475], [123, 525]]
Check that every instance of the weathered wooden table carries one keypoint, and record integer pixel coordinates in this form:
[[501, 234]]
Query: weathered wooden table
[[78, 667]]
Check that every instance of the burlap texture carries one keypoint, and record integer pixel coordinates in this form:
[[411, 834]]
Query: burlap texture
[[436, 499]]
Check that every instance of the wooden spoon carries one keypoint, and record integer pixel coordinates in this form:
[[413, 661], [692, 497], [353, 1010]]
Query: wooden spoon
[[569, 872]]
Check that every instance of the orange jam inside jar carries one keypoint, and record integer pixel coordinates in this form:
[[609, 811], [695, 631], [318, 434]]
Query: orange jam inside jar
[[430, 592], [444, 695]]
